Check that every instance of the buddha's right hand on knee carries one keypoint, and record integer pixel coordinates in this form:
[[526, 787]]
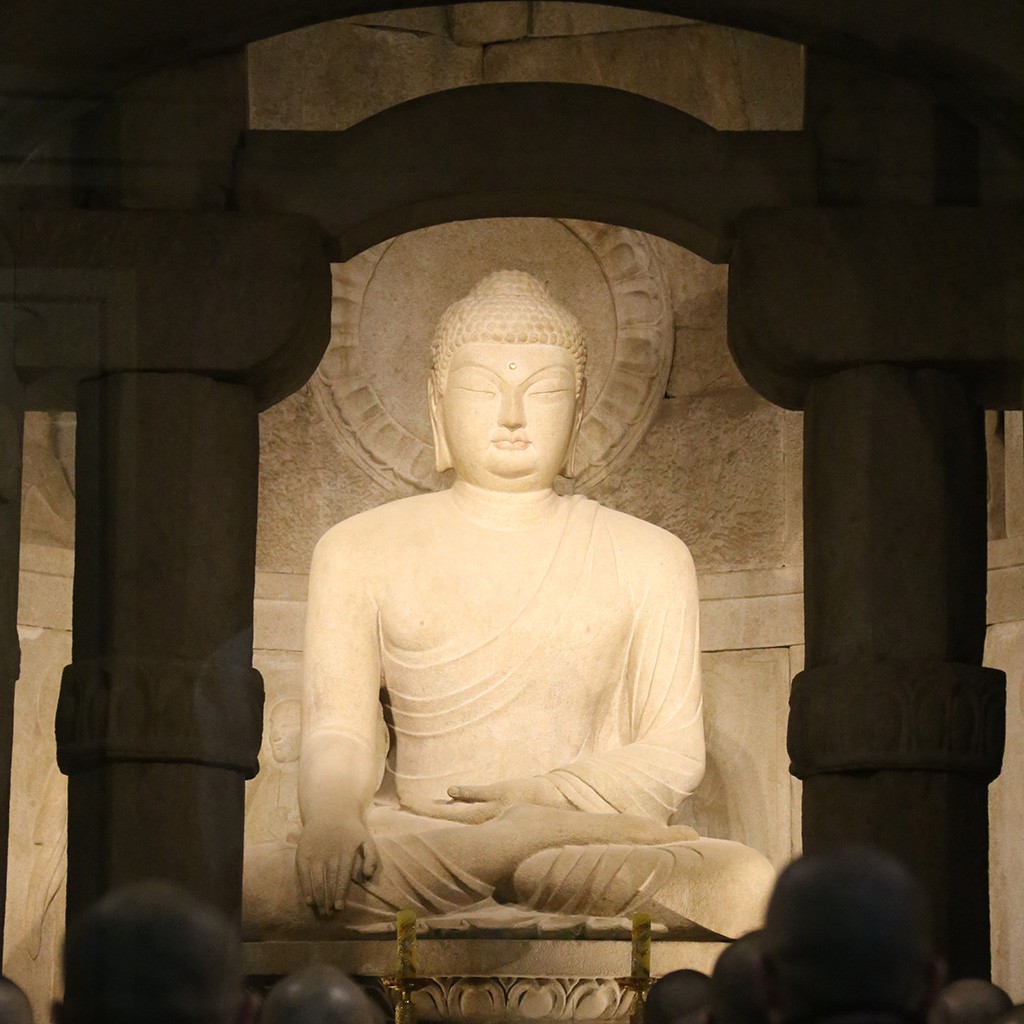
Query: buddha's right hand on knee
[[329, 855]]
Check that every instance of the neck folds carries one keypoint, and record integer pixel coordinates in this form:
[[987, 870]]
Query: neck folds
[[504, 510]]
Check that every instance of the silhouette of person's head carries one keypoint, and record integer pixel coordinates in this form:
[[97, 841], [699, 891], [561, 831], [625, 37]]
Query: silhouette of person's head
[[848, 932], [970, 1001], [680, 997], [150, 953], [734, 995], [320, 994], [1015, 1015], [14, 1005]]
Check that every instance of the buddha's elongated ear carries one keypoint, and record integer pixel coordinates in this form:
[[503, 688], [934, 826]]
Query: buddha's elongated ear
[[442, 459], [569, 467]]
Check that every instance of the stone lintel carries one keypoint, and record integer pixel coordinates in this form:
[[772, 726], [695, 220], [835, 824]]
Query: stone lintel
[[816, 291], [500, 150], [242, 298]]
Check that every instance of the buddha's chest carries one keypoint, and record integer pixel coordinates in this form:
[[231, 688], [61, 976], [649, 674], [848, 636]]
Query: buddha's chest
[[515, 590]]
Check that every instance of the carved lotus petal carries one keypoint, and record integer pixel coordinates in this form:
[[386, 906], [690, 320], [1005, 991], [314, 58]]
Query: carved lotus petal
[[595, 999], [536, 998], [476, 998]]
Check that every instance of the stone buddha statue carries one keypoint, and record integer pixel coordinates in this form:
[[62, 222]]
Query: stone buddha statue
[[501, 694]]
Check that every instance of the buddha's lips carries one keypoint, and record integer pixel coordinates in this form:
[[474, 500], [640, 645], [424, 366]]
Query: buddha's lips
[[511, 444]]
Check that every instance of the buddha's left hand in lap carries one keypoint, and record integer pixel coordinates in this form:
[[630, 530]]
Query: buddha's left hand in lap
[[473, 804]]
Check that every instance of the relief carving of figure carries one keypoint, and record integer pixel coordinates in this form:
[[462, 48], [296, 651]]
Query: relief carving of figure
[[272, 798], [501, 708]]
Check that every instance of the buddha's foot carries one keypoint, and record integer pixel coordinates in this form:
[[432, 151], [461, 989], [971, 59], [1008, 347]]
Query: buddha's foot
[[721, 886], [601, 880]]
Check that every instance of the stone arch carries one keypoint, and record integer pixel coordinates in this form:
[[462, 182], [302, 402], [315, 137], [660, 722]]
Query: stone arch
[[501, 151]]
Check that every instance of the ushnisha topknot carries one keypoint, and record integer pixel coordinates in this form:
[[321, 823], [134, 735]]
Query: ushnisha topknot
[[507, 306]]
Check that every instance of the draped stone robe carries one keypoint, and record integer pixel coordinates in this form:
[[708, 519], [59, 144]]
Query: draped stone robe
[[509, 636]]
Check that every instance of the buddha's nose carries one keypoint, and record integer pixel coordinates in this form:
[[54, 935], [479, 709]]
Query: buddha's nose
[[511, 414]]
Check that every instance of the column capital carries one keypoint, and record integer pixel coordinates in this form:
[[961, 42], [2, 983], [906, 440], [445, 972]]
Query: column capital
[[238, 297], [816, 291], [908, 716], [159, 709]]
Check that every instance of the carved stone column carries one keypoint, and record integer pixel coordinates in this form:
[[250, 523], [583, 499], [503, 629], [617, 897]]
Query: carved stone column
[[160, 715], [167, 332], [160, 712], [895, 727], [892, 330]]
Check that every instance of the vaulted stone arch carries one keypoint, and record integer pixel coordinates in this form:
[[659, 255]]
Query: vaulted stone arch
[[527, 150]]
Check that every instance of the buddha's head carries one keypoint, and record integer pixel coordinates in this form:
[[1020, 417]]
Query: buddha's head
[[507, 385]]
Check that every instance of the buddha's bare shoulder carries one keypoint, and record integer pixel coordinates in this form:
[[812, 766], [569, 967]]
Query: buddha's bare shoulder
[[368, 534], [645, 545]]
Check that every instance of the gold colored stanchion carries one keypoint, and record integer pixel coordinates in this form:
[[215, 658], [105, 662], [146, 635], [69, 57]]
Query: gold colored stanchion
[[405, 981], [639, 980]]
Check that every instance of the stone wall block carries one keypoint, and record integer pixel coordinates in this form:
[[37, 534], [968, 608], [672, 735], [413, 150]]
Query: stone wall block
[[430, 21], [1005, 594], [47, 602], [692, 68], [578, 19], [751, 622], [11, 432], [301, 455], [702, 361], [355, 71], [482, 23], [744, 795], [12, 417], [35, 903], [1013, 439], [724, 451], [1004, 647], [47, 486]]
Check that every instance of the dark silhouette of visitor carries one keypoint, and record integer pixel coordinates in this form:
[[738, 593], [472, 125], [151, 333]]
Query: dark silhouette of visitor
[[152, 954], [1015, 1015], [847, 934], [14, 1005], [734, 994], [680, 997], [320, 994], [970, 1001]]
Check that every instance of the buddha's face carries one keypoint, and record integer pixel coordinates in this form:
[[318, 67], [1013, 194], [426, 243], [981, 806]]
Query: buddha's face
[[508, 414]]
